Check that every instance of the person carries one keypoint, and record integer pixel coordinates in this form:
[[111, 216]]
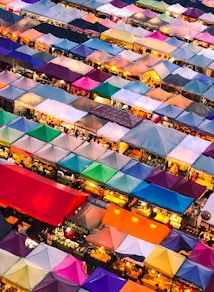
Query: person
[[22, 229]]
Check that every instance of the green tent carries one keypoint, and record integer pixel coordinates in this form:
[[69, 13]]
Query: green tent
[[98, 172], [105, 89], [145, 3], [44, 133], [9, 135], [6, 117], [160, 6]]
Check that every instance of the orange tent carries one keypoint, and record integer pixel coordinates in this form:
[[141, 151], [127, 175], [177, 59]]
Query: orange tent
[[131, 286], [134, 224]]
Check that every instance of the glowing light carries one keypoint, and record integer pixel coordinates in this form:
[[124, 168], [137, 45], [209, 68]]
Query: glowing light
[[116, 211], [153, 226], [135, 219]]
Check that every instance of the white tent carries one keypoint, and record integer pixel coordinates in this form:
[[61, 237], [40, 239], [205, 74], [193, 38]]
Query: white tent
[[47, 39], [51, 153], [185, 72], [195, 143], [125, 96], [108, 9], [67, 142], [60, 111], [112, 131], [176, 9], [118, 81], [183, 154], [209, 53], [146, 103], [130, 55], [207, 17]]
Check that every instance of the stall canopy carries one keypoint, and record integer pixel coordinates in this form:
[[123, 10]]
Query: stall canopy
[[153, 232], [5, 227], [51, 153], [25, 83], [199, 108], [65, 45], [66, 142], [81, 51], [37, 196], [195, 273], [112, 132], [116, 115], [113, 159], [123, 183], [44, 133], [207, 127], [168, 110], [85, 83], [103, 280], [179, 101], [203, 254], [9, 135], [162, 197], [7, 261], [71, 269], [162, 178], [108, 237], [98, 75], [91, 123], [6, 117], [131, 286], [27, 101], [170, 261], [83, 103], [189, 119], [25, 274], [45, 256], [154, 138], [137, 169], [204, 163], [105, 90], [100, 45], [137, 87], [75, 162], [22, 124], [14, 243], [98, 172], [11, 92], [53, 282], [90, 150], [178, 240], [209, 151], [189, 188], [89, 217]]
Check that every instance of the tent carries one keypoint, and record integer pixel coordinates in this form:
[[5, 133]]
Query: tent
[[45, 256], [90, 150], [209, 151], [184, 154], [65, 45], [14, 243], [189, 188], [100, 45], [137, 169], [24, 83], [44, 133], [137, 87], [178, 240], [27, 145], [83, 103], [205, 164], [179, 101], [196, 87], [9, 135], [123, 183], [162, 178], [5, 227], [208, 207], [109, 237], [38, 196], [98, 172], [75, 163], [7, 261], [22, 124], [91, 123], [66, 142], [6, 117], [103, 280], [85, 83], [89, 217], [170, 261], [113, 159], [152, 232], [131, 286], [200, 109], [118, 81], [27, 101], [112, 132], [159, 94], [154, 138], [162, 197], [189, 119], [81, 51], [105, 90], [207, 127], [202, 254], [25, 275], [55, 283], [51, 153], [11, 93], [59, 110], [208, 94], [71, 269], [168, 110], [98, 75], [116, 115], [125, 96], [194, 273]]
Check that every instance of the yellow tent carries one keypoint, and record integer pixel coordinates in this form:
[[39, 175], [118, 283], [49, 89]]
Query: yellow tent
[[170, 261]]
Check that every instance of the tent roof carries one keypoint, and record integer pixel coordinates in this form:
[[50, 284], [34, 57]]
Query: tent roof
[[37, 196], [81, 51], [25, 83], [165, 198], [131, 286], [89, 217], [137, 169], [153, 232], [98, 172], [6, 117], [189, 188], [170, 261], [91, 123], [100, 45], [90, 150], [66, 142], [45, 256], [105, 89], [168, 110], [29, 100], [183, 154], [44, 133], [11, 93], [75, 162], [112, 131], [22, 124], [203, 254], [104, 280], [83, 103], [65, 44], [205, 164], [209, 151], [200, 109], [85, 83], [7, 260], [125, 96], [113, 159], [98, 75], [162, 178], [51, 153], [179, 101], [137, 87], [190, 119], [196, 87], [207, 126], [9, 135]]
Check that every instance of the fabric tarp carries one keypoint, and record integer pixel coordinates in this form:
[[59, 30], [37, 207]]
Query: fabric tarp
[[51, 153], [105, 89], [203, 254], [113, 159], [66, 142], [204, 163], [7, 260], [91, 123], [112, 131], [137, 169], [189, 119], [9, 135], [189, 188], [6, 117], [37, 196], [75, 162], [162, 178], [131, 286], [116, 217], [44, 133], [22, 124], [90, 150], [84, 104]]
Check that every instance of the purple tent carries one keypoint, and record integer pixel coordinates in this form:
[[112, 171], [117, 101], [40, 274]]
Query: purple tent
[[102, 280], [58, 72], [203, 254], [162, 178], [209, 151], [189, 188], [98, 75], [81, 51], [193, 12], [55, 283], [14, 242], [118, 3]]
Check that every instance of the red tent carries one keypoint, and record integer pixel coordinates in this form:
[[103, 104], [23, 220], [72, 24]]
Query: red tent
[[37, 196]]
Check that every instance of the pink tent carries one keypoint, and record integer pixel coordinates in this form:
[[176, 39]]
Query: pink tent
[[71, 269], [203, 254], [205, 37], [85, 83], [156, 35]]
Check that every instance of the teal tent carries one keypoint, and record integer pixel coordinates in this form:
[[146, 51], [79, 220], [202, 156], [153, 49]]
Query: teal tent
[[75, 163]]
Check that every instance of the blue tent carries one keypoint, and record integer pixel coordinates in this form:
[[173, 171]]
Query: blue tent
[[8, 44], [11, 93], [178, 240], [123, 183], [137, 169], [164, 198], [175, 80], [75, 162], [209, 93], [10, 16], [200, 61], [168, 110], [81, 51], [195, 273], [204, 163], [22, 124], [100, 45], [207, 126], [210, 116], [170, 66], [189, 119], [153, 138], [182, 54], [205, 79], [195, 86], [137, 87], [52, 92], [65, 45], [174, 42], [23, 60]]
